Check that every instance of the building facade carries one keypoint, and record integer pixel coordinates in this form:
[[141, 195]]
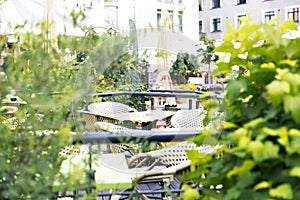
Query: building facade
[[148, 16], [147, 13], [214, 13]]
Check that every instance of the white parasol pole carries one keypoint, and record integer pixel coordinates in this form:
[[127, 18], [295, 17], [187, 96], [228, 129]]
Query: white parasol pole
[[50, 34], [163, 80]]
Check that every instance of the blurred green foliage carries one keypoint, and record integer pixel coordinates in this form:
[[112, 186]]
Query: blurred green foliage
[[53, 82], [261, 133]]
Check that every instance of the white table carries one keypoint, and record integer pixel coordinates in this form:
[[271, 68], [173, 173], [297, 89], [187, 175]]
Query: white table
[[146, 119], [143, 116]]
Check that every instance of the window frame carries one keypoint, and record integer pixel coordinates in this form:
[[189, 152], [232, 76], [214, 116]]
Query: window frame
[[171, 16], [287, 13], [266, 11], [200, 4], [180, 21], [211, 4], [237, 3], [212, 24], [107, 11], [201, 20], [236, 19], [158, 13]]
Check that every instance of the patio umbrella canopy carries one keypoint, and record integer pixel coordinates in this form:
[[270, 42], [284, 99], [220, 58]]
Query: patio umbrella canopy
[[31, 12]]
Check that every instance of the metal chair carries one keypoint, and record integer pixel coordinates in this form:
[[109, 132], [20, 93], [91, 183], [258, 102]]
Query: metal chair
[[102, 111], [188, 118]]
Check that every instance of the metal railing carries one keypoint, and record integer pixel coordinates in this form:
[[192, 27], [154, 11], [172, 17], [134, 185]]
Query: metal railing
[[189, 94]]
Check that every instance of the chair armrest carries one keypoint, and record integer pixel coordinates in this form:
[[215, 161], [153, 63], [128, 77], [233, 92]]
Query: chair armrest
[[141, 159]]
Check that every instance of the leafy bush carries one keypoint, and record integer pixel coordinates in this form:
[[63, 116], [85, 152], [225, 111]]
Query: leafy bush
[[186, 87], [262, 117], [33, 137]]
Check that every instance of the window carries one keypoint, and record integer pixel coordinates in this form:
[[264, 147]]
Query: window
[[158, 15], [215, 4], [200, 5], [171, 16], [216, 24], [268, 15], [239, 2], [201, 26], [238, 21], [292, 13], [180, 25], [179, 1], [111, 15]]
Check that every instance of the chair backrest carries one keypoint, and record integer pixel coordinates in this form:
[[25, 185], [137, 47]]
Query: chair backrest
[[74, 150], [188, 118], [176, 154]]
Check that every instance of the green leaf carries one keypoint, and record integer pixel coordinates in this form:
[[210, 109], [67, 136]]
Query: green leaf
[[243, 142], [290, 63], [270, 150], [294, 132], [235, 88], [292, 104], [294, 81], [226, 46], [254, 123], [294, 145], [276, 90], [262, 185], [292, 49], [283, 191], [287, 25], [274, 37], [263, 75], [295, 172], [190, 193], [224, 68], [246, 167], [256, 148]]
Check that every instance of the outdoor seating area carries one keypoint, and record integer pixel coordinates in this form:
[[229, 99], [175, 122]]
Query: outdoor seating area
[[122, 165], [141, 100], [111, 156]]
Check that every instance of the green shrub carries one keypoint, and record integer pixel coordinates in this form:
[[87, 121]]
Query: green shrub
[[262, 117]]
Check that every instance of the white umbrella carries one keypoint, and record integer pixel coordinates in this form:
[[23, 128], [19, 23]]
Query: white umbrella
[[14, 12], [17, 12]]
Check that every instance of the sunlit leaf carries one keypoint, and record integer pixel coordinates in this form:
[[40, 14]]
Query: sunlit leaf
[[262, 185], [295, 172], [287, 25], [254, 123], [270, 150], [292, 104], [247, 166], [256, 148], [283, 191], [294, 81], [276, 90]]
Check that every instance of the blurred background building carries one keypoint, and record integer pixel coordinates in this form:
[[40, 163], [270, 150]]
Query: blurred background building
[[214, 13]]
